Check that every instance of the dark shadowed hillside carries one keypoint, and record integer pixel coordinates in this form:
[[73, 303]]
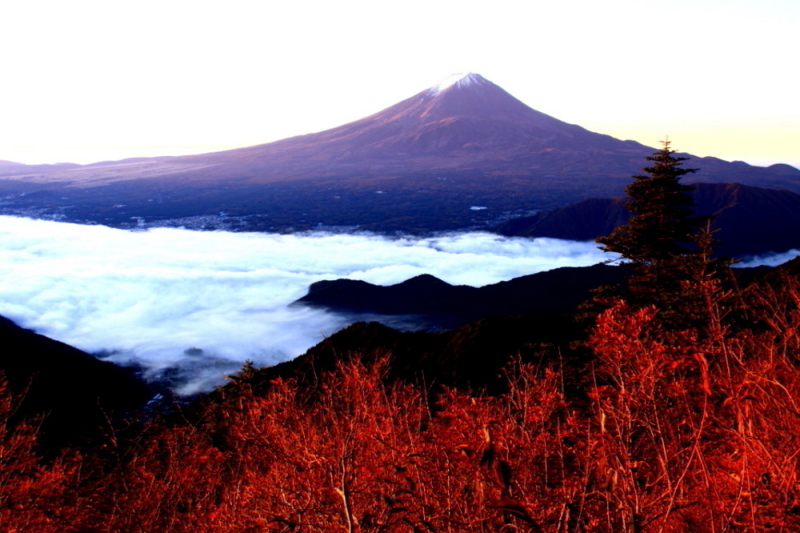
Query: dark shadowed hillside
[[470, 356], [751, 220], [436, 304], [76, 393], [426, 302]]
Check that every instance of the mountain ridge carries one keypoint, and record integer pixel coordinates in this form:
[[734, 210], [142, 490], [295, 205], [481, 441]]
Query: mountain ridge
[[749, 220], [435, 304], [432, 156]]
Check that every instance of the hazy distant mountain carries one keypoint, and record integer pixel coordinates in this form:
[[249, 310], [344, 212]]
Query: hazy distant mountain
[[459, 154], [10, 168], [751, 220]]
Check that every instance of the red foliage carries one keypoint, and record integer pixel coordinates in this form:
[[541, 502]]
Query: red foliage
[[33, 496], [680, 431]]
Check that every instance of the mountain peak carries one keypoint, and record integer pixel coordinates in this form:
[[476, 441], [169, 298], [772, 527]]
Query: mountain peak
[[461, 79]]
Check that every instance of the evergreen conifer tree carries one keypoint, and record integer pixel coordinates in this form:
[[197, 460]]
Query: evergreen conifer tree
[[659, 236]]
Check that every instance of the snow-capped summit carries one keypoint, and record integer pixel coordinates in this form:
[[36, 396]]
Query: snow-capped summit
[[461, 79]]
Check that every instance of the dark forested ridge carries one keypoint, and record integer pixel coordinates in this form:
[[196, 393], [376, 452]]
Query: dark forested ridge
[[436, 304], [471, 356], [750, 220], [426, 302]]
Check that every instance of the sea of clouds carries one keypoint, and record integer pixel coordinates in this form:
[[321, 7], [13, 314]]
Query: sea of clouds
[[193, 306]]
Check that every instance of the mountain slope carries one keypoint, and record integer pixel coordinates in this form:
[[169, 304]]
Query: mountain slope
[[439, 305], [76, 394], [472, 122], [750, 220], [420, 165]]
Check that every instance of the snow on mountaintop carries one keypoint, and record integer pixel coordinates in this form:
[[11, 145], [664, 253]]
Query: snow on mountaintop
[[462, 79]]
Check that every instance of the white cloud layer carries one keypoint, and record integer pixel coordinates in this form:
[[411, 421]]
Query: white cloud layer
[[201, 303], [772, 260]]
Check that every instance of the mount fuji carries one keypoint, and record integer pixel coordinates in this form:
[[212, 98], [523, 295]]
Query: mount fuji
[[464, 153]]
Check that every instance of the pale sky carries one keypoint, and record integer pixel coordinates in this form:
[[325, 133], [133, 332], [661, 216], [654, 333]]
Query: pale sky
[[85, 80]]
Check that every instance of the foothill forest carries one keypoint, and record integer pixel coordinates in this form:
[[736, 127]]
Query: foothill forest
[[658, 394]]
